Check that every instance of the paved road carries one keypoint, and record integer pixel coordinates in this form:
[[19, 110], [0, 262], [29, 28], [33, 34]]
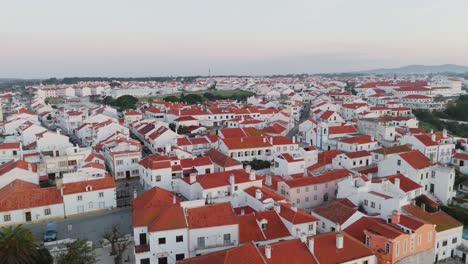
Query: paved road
[[305, 114], [90, 227], [450, 120]]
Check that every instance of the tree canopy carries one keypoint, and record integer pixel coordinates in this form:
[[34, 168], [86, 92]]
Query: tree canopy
[[77, 252], [17, 245], [125, 102]]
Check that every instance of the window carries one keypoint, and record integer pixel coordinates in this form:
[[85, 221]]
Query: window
[[419, 239], [311, 227], [264, 226], [315, 197], [368, 241], [101, 194], [366, 202], [7, 218], [158, 178], [298, 201], [298, 190], [79, 198], [90, 204], [454, 240], [307, 189], [444, 243], [387, 248], [161, 240], [72, 162], [397, 248], [179, 256], [372, 204], [227, 239], [307, 199], [47, 211], [398, 162], [179, 238], [63, 164], [201, 242], [429, 236], [134, 160], [119, 162], [405, 246], [162, 260]]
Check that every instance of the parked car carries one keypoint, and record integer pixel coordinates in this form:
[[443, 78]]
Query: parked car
[[51, 232]]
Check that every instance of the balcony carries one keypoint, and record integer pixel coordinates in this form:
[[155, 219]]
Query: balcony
[[142, 248], [201, 249]]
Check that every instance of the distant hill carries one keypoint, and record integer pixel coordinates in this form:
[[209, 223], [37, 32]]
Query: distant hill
[[421, 69]]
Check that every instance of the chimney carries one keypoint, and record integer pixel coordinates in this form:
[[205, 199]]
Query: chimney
[[338, 227], [232, 180], [339, 241], [29, 167], [242, 212], [303, 237], [58, 183], [277, 208], [413, 202], [311, 245], [248, 168], [433, 137], [252, 176], [397, 183], [268, 180], [294, 139], [293, 207], [193, 177], [135, 194], [395, 217], [423, 206], [432, 131], [264, 140], [168, 148], [444, 133], [174, 200], [258, 194], [268, 251], [271, 140]]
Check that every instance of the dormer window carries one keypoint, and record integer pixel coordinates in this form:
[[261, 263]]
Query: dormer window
[[89, 188]]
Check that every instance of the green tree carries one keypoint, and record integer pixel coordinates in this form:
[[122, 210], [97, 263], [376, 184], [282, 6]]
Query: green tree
[[108, 100], [172, 126], [182, 130], [44, 257], [171, 98], [17, 245], [77, 252], [125, 102], [192, 99]]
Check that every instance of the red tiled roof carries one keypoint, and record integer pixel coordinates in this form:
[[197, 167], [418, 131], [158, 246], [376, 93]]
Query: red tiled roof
[[246, 253], [12, 145], [266, 193], [290, 251], [416, 159], [442, 220], [20, 164], [219, 179], [343, 130], [148, 206], [98, 184], [297, 216], [326, 251], [358, 154], [249, 229], [361, 139], [211, 216], [335, 211], [221, 159], [426, 140], [406, 184], [24, 195]]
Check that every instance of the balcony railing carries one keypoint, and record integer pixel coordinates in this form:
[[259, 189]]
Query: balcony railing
[[142, 248], [225, 244]]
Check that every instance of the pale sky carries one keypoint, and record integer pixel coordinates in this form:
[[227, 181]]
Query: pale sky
[[57, 38]]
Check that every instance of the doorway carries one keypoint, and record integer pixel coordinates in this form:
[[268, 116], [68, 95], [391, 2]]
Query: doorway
[[28, 216]]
